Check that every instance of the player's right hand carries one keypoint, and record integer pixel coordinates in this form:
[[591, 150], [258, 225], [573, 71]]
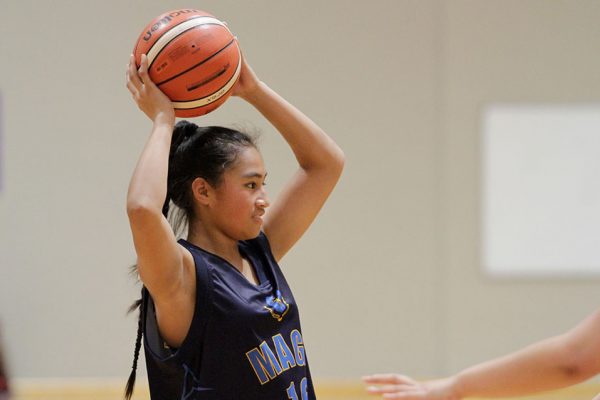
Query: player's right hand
[[148, 97]]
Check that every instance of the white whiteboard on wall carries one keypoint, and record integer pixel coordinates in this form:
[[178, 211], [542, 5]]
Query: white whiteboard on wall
[[541, 190]]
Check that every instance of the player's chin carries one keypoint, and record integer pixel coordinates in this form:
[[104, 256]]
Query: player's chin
[[252, 231]]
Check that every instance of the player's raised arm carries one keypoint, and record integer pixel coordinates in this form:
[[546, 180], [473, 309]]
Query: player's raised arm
[[159, 256], [320, 163]]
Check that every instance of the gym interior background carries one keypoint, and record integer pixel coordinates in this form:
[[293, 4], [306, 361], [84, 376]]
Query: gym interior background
[[389, 278]]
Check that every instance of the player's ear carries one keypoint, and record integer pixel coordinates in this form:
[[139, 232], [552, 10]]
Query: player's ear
[[202, 191]]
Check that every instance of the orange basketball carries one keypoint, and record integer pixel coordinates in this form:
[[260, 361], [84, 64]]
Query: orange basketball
[[192, 57]]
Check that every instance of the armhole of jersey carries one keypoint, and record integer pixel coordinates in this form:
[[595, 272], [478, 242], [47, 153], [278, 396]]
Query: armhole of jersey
[[155, 344]]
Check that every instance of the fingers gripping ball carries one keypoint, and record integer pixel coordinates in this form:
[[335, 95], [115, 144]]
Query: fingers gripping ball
[[192, 57]]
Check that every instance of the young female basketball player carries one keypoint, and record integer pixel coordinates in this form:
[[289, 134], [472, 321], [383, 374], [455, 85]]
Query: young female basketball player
[[553, 363], [218, 318]]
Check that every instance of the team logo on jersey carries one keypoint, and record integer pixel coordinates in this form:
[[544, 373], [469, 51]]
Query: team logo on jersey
[[277, 306]]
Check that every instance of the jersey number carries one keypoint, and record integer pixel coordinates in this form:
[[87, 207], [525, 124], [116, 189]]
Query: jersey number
[[291, 391]]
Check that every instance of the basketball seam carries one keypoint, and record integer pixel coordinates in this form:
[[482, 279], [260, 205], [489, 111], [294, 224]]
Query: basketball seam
[[157, 39], [182, 103], [233, 78], [207, 80], [196, 65], [175, 37], [180, 108], [209, 21]]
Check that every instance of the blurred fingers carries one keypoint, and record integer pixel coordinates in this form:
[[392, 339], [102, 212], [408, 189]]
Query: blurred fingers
[[409, 395], [388, 379], [134, 83], [143, 70], [389, 389], [397, 392]]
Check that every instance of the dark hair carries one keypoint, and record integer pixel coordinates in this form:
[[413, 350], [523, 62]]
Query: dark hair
[[205, 152]]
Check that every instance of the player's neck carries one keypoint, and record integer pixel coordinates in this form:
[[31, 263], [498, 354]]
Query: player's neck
[[215, 242]]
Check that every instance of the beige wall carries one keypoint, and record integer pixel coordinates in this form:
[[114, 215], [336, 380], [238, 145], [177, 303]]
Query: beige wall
[[388, 278], [505, 51]]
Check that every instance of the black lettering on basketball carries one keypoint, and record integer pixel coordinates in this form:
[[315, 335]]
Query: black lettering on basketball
[[178, 52], [165, 20]]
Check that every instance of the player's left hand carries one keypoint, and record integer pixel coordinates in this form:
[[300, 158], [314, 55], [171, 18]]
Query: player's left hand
[[247, 81]]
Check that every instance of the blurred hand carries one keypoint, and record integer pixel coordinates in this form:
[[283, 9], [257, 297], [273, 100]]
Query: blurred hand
[[395, 386], [148, 97]]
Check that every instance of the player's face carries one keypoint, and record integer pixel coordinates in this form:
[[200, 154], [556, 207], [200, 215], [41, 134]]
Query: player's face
[[241, 196]]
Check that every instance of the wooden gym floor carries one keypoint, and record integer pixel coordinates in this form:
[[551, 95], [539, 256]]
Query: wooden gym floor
[[104, 390]]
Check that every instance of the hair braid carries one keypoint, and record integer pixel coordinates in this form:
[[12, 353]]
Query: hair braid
[[136, 353]]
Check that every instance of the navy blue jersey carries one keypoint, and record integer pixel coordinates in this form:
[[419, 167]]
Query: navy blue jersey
[[244, 341]]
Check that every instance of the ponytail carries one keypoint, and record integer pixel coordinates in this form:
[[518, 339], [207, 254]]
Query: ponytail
[[165, 207]]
